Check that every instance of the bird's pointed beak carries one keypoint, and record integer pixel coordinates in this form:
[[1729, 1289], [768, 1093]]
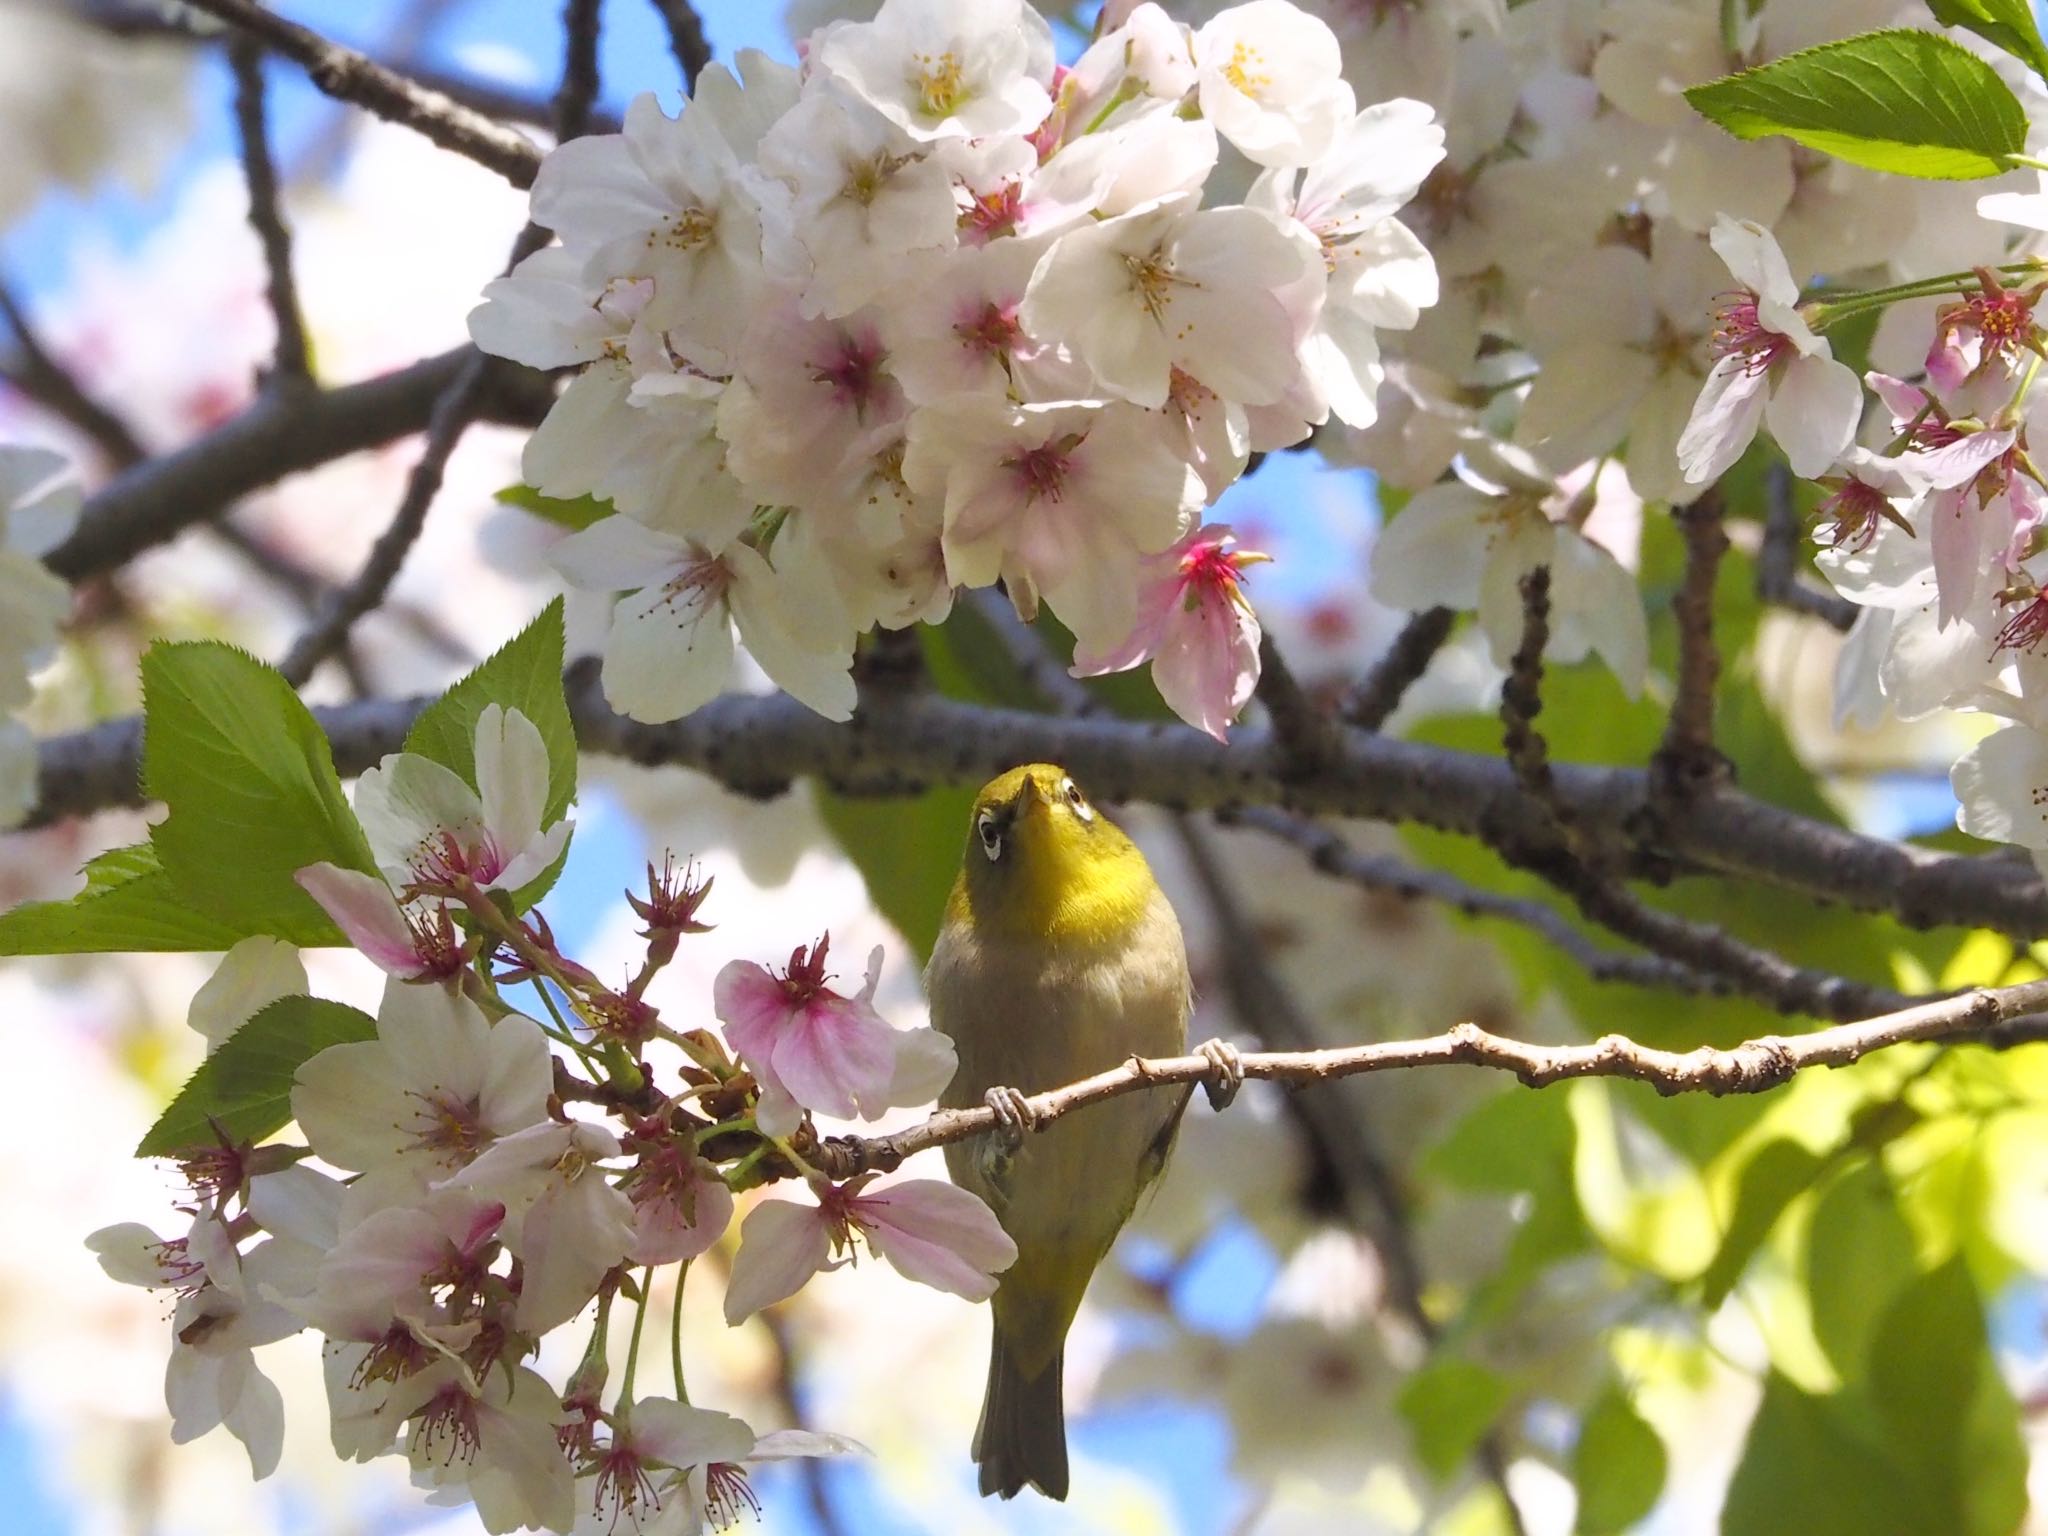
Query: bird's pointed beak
[[1030, 799]]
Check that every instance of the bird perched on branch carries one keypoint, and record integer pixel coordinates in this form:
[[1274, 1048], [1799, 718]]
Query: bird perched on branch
[[1060, 957]]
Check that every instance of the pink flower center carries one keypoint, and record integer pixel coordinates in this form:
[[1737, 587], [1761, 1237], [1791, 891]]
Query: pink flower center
[[990, 215], [992, 331], [1042, 472], [853, 370], [727, 1494], [444, 859], [623, 1484], [1852, 517], [448, 1420], [806, 975], [392, 1358], [449, 1125], [1740, 333], [2027, 628]]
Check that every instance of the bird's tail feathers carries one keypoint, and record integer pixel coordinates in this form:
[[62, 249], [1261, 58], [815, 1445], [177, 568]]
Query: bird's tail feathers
[[1022, 1437]]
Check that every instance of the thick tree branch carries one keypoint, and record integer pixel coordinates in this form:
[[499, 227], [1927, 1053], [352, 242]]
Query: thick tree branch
[[353, 77], [905, 743], [1752, 1067], [278, 435], [266, 217], [686, 39]]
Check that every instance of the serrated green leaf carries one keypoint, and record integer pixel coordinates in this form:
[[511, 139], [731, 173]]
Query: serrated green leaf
[[1913, 103], [2009, 24], [128, 906], [575, 513], [1618, 1465], [249, 779], [1449, 1404], [246, 1084], [524, 674]]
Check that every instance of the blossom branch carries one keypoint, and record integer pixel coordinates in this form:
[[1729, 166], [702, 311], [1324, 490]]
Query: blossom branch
[[1755, 1066], [36, 375], [245, 59], [1300, 727], [354, 77], [906, 743]]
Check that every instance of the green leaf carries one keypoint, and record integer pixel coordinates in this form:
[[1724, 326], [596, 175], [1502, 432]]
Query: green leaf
[[2008, 23], [250, 783], [908, 852], [1913, 103], [525, 674], [1804, 1468], [1778, 1173], [1449, 1404], [1618, 1464], [1859, 1257], [246, 1084], [578, 513], [128, 905]]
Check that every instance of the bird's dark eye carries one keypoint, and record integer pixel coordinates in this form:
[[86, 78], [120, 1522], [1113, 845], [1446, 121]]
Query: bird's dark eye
[[1077, 800], [990, 834]]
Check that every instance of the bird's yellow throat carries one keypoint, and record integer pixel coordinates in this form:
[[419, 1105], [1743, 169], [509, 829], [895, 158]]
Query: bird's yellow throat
[[1060, 871]]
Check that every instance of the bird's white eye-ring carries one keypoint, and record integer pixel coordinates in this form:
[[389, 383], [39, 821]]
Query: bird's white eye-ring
[[1077, 800], [990, 834]]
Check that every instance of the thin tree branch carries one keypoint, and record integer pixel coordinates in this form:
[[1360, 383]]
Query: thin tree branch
[[1330, 853], [1777, 560], [1414, 648], [266, 217], [577, 94], [1755, 1066], [812, 1471], [37, 375], [278, 435], [1267, 1007], [1559, 853], [1307, 734], [353, 77], [1688, 761], [905, 743], [686, 39]]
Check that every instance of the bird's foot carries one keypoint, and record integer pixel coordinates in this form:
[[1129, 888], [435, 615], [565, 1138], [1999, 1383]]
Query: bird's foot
[[1014, 1116], [1226, 1072]]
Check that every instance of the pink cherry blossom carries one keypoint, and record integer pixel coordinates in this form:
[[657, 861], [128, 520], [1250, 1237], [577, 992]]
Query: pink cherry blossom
[[808, 1046], [1195, 627], [930, 1231]]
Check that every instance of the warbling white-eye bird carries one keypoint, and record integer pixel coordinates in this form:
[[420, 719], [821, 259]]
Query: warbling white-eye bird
[[1060, 957]]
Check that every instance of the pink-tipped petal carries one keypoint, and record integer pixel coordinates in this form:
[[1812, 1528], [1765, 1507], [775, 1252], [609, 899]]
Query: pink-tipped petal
[[363, 907], [782, 1244]]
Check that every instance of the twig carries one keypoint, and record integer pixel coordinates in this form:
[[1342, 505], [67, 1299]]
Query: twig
[[1304, 732], [577, 94], [1777, 581], [905, 743], [1560, 854], [1414, 648], [686, 39], [1329, 852], [276, 436], [1688, 762], [266, 217], [1755, 1066], [38, 376], [353, 77], [454, 410]]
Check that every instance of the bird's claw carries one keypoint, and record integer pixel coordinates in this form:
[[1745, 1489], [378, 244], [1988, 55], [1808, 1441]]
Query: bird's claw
[[1014, 1116], [1226, 1072]]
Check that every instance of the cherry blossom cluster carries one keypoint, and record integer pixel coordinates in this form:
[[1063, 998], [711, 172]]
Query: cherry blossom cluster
[[934, 312], [485, 1171], [1934, 527]]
